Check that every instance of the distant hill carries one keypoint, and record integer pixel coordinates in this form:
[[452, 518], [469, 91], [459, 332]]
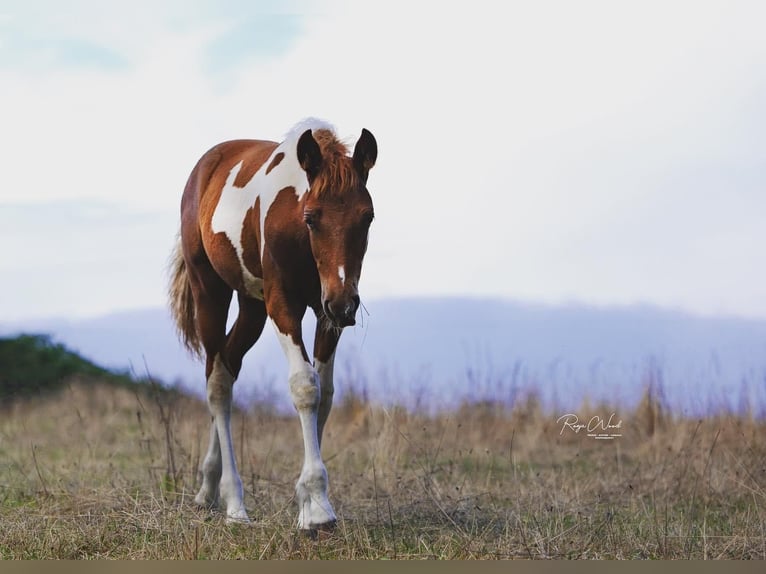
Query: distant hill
[[437, 352], [32, 365]]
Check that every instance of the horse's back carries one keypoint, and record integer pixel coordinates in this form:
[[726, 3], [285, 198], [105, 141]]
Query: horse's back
[[216, 163]]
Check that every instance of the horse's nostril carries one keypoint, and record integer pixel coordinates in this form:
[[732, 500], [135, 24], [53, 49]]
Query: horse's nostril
[[341, 311]]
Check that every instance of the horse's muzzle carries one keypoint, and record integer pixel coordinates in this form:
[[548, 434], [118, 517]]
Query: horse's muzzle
[[342, 311]]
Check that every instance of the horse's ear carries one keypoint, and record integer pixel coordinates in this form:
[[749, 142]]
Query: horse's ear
[[309, 155], [365, 153]]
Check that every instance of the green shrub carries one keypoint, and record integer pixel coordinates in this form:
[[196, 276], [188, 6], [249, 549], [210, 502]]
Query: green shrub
[[30, 364]]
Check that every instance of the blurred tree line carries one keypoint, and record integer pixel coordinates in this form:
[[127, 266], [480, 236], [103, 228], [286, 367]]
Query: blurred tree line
[[31, 364]]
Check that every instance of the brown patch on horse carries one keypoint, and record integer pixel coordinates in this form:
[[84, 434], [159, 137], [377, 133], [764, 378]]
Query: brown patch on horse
[[275, 162], [253, 161], [223, 258], [285, 232], [251, 240], [190, 251], [288, 262]]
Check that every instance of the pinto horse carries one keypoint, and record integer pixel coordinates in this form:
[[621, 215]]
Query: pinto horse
[[285, 226]]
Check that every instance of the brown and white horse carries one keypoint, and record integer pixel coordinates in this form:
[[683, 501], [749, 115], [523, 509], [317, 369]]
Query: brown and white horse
[[285, 226]]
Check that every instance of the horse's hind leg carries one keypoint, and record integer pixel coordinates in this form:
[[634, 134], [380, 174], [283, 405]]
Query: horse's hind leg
[[245, 332], [212, 298], [212, 319], [211, 471]]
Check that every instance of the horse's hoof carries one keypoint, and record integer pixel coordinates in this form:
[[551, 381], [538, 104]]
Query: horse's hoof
[[239, 517], [204, 502], [238, 521], [320, 530]]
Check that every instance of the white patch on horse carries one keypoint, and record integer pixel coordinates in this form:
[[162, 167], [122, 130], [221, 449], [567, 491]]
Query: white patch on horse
[[235, 201], [229, 218], [342, 275]]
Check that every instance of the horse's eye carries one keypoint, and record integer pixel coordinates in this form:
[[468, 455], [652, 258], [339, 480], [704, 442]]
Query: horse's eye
[[311, 219], [367, 218]]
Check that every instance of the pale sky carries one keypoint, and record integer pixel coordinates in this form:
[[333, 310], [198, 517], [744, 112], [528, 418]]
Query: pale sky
[[607, 153]]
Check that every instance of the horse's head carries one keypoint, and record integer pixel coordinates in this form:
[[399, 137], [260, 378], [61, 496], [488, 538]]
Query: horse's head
[[337, 212]]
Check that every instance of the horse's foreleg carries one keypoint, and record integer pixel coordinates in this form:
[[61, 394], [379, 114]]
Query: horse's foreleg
[[325, 342], [311, 488], [327, 390]]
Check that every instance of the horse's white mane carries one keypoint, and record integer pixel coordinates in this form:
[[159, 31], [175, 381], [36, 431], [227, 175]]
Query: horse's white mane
[[311, 123]]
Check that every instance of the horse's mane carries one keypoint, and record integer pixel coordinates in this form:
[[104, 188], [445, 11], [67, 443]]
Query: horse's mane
[[337, 176]]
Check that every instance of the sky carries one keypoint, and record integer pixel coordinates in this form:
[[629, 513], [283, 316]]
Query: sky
[[595, 152]]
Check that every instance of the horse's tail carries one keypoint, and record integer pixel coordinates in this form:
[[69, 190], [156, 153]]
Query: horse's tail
[[182, 302]]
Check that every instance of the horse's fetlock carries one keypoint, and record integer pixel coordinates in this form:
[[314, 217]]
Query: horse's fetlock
[[314, 479]]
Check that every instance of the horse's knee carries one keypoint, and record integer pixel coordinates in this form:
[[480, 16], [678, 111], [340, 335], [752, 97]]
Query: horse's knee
[[304, 389]]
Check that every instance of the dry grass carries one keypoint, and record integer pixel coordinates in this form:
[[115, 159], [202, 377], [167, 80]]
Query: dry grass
[[99, 472]]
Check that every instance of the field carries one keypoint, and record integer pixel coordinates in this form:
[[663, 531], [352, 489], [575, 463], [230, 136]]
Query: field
[[99, 471]]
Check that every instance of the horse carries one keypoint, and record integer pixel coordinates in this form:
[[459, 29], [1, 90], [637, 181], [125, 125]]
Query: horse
[[285, 226]]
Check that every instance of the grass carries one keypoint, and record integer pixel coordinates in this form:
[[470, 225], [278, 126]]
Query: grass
[[98, 471]]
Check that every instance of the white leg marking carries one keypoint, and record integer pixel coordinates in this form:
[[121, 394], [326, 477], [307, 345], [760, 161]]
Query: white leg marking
[[311, 488], [211, 471], [219, 401]]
